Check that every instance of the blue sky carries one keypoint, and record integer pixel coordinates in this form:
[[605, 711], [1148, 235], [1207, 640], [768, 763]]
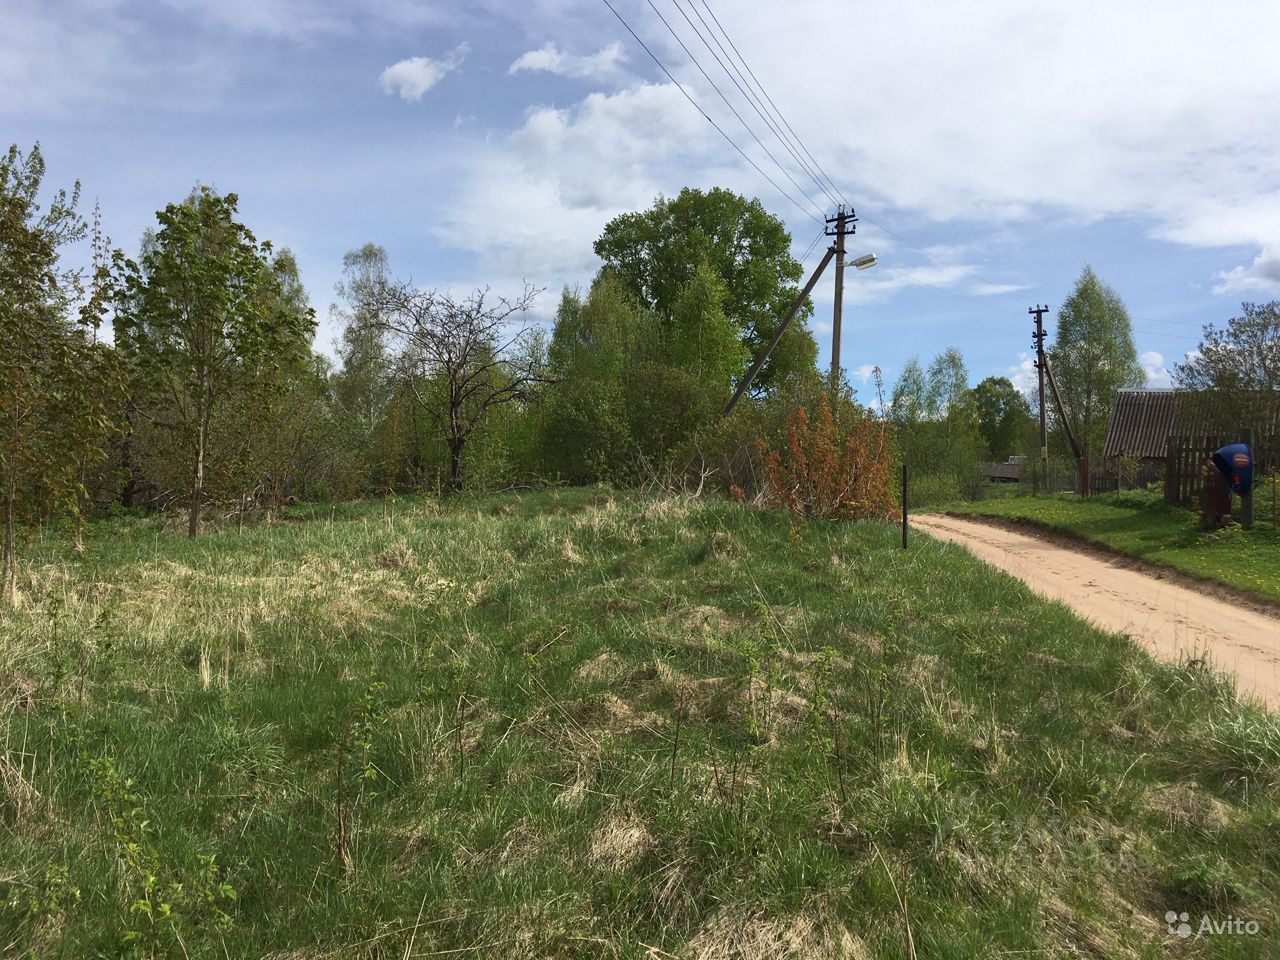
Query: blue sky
[[486, 143]]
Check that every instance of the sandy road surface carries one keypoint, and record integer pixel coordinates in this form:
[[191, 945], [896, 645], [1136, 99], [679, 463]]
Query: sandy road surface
[[1166, 617]]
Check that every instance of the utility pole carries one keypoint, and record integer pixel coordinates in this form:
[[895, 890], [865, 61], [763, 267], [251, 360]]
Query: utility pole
[[1082, 455], [1037, 340], [777, 334], [843, 225]]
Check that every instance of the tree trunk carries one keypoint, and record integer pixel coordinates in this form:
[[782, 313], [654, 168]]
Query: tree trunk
[[10, 583], [456, 441], [197, 485], [128, 495], [455, 463]]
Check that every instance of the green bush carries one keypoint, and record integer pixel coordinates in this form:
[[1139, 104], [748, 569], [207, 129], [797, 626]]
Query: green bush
[[934, 490]]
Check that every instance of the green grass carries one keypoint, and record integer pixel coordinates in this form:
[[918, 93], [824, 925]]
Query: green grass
[[590, 724], [1141, 525]]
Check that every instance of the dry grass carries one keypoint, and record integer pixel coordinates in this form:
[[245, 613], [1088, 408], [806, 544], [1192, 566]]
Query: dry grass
[[744, 935], [620, 840]]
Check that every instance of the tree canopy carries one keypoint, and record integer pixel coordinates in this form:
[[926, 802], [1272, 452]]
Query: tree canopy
[[657, 253], [1004, 416], [206, 314], [1093, 356], [58, 385], [1236, 371]]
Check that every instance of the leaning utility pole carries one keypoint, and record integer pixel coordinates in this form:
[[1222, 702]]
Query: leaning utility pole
[[1082, 455], [745, 385], [844, 225], [1037, 340]]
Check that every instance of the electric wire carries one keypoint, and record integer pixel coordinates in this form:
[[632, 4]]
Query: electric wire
[[746, 91], [707, 117], [830, 189], [782, 117], [812, 243], [733, 46], [734, 110]]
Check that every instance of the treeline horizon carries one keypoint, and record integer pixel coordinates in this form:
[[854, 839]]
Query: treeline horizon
[[210, 391]]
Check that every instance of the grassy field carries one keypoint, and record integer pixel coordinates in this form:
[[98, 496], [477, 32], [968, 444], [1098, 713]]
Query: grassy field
[[590, 724], [1142, 526]]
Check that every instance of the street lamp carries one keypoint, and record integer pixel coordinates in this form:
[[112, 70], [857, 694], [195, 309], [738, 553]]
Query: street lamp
[[864, 262]]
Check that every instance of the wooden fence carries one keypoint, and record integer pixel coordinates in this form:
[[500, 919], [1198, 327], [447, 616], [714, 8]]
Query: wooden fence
[[1184, 470]]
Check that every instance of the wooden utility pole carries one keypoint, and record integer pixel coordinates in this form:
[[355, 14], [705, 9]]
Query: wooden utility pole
[[1082, 455], [904, 506], [1037, 340], [777, 334], [843, 225]]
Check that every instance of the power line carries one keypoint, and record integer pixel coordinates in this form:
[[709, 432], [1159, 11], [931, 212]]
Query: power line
[[929, 253], [732, 108], [750, 96], [777, 112], [707, 117], [812, 243], [1170, 336]]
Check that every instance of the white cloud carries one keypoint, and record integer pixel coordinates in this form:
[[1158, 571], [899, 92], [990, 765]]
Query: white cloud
[[865, 372], [572, 170], [1263, 275], [551, 59], [1153, 366], [995, 289], [413, 77], [882, 281], [1025, 377], [1095, 125]]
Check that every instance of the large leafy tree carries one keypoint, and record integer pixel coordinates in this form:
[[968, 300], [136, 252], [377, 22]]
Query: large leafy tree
[[206, 319], [58, 385], [702, 340], [938, 422], [1093, 356], [1003, 415], [363, 386], [1235, 371], [657, 253]]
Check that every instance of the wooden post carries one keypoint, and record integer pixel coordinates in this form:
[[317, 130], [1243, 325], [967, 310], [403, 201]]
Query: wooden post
[[1246, 499], [904, 506], [1170, 472]]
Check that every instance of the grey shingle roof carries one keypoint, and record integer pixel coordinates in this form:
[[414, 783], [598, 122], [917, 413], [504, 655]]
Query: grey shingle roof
[[1141, 421]]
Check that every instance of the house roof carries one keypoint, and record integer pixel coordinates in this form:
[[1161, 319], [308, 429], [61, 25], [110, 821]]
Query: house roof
[[1142, 420]]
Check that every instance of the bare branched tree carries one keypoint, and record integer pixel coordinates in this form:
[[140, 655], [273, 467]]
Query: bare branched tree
[[462, 358]]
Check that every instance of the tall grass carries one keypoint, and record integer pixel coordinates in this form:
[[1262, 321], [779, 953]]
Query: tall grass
[[588, 724]]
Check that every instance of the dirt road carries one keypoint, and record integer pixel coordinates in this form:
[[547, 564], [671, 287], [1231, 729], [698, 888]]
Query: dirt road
[[1167, 618]]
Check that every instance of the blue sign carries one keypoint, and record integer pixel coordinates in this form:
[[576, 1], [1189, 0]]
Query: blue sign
[[1235, 462]]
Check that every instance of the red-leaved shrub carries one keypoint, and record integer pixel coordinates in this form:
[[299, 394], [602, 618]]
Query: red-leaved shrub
[[830, 470]]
